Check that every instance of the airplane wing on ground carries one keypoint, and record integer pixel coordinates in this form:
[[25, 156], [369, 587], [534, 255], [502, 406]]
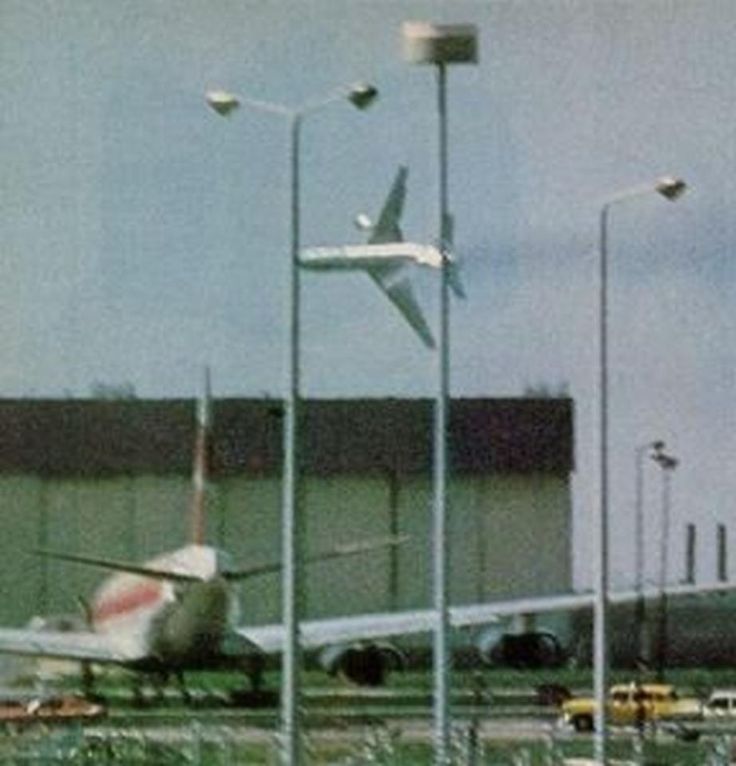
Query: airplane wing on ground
[[65, 645], [319, 633], [92, 647]]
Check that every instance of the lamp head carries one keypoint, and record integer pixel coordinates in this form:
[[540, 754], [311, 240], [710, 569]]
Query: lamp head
[[666, 462], [222, 102], [671, 188], [362, 95]]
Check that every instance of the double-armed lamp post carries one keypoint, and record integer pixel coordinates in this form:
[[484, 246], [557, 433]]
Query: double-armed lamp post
[[361, 95]]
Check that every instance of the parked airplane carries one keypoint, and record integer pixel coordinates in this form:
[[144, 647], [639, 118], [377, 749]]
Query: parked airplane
[[386, 258], [179, 612]]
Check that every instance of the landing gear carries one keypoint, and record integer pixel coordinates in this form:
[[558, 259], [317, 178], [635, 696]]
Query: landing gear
[[185, 693], [88, 684], [256, 696], [254, 671]]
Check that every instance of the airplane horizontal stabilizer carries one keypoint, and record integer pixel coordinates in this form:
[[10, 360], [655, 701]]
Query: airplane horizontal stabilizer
[[350, 549], [121, 566]]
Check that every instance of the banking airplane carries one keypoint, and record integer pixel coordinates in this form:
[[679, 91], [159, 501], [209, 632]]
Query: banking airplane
[[387, 258]]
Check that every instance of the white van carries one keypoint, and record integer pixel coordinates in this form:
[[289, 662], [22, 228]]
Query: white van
[[721, 704]]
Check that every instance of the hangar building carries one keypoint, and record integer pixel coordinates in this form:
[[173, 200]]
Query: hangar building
[[112, 478]]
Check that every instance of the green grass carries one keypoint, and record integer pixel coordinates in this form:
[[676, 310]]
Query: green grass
[[499, 687], [499, 752], [226, 749]]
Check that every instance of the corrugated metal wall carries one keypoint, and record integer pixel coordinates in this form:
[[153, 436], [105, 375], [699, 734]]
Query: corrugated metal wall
[[498, 524]]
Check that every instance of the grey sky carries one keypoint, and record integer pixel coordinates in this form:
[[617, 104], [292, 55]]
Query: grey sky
[[144, 237]]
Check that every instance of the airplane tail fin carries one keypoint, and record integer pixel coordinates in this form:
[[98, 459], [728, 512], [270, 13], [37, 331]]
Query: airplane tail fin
[[453, 267], [200, 463]]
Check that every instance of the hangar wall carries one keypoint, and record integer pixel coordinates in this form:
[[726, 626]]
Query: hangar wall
[[496, 526], [122, 490]]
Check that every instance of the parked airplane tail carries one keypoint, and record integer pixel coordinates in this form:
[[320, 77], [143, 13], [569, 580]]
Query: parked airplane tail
[[200, 463]]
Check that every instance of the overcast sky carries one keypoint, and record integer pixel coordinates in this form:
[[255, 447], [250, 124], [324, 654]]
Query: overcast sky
[[144, 237]]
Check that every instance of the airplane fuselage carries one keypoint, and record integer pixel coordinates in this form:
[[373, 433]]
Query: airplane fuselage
[[171, 625]]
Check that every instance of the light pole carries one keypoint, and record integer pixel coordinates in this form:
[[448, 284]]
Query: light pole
[[441, 45], [670, 188], [640, 616], [668, 464], [360, 95]]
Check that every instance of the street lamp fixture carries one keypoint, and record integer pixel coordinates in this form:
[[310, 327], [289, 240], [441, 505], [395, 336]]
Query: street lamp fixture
[[670, 188], [664, 461], [361, 95], [222, 102]]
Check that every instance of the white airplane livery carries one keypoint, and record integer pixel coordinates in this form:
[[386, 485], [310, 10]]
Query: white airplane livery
[[386, 258]]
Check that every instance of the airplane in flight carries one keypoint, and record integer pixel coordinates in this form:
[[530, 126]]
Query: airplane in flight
[[387, 259]]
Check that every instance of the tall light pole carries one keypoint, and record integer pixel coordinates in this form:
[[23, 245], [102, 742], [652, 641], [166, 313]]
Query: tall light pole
[[640, 616], [360, 95], [668, 464], [441, 45], [670, 188]]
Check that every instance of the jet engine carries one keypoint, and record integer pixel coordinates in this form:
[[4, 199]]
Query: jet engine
[[365, 664], [529, 649]]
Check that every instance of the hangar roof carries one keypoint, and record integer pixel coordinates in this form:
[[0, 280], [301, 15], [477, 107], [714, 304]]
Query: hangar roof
[[113, 437]]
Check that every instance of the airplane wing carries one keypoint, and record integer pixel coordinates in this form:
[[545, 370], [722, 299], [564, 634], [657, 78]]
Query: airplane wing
[[319, 633], [395, 283], [66, 645]]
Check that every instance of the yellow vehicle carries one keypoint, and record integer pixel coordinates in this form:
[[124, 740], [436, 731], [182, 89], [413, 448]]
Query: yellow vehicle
[[631, 705]]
